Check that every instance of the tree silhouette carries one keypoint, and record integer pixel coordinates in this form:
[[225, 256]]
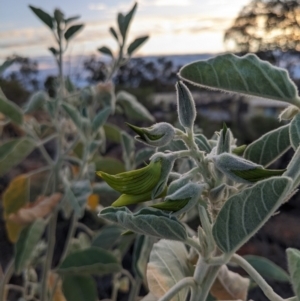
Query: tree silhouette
[[27, 73], [264, 25], [160, 74]]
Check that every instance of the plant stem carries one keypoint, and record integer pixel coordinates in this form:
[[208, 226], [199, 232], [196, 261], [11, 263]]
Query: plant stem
[[208, 281], [40, 144], [49, 255], [72, 145], [16, 288], [84, 159], [49, 138], [38, 170], [85, 228], [265, 287], [192, 243], [70, 235], [8, 273], [60, 62], [185, 282], [201, 270], [196, 154], [114, 294], [135, 290], [73, 159], [131, 279]]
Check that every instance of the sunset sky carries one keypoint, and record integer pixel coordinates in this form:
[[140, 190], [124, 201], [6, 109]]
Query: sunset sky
[[174, 26]]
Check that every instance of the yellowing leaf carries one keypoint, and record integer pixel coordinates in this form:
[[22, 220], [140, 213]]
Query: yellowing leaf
[[58, 294], [75, 169], [15, 197], [39, 209], [168, 264], [230, 285], [93, 201]]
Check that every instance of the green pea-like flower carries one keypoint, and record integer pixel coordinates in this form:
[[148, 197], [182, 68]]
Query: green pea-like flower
[[136, 185]]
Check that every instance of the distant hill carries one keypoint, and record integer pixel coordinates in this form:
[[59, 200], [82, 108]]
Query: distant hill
[[73, 65]]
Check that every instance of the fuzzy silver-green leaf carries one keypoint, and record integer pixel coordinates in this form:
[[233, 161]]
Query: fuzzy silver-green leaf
[[245, 213], [28, 239], [295, 132], [293, 256], [91, 261], [269, 147], [267, 269], [293, 170], [12, 152], [246, 75], [147, 221], [10, 109]]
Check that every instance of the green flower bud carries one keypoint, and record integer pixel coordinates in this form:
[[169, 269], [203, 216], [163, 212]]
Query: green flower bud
[[130, 199], [183, 199], [157, 135], [239, 150], [167, 163], [242, 170], [218, 193], [224, 141], [185, 105], [289, 113], [177, 184], [134, 182]]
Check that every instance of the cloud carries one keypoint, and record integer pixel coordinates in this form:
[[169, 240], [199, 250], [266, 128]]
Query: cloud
[[172, 3], [97, 6], [175, 30], [24, 37]]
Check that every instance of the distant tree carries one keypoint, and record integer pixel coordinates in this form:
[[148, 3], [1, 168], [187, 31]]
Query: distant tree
[[96, 69], [27, 73], [265, 25], [160, 74]]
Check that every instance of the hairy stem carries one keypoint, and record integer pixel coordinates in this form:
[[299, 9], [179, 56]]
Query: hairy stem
[[60, 62], [196, 154], [38, 170], [7, 275], [135, 290], [115, 289], [85, 228], [201, 270], [49, 138], [70, 235], [49, 254], [192, 243], [185, 282], [40, 144], [16, 288], [265, 287], [208, 281]]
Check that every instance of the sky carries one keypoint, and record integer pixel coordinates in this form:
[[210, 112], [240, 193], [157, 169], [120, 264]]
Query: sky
[[174, 26]]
